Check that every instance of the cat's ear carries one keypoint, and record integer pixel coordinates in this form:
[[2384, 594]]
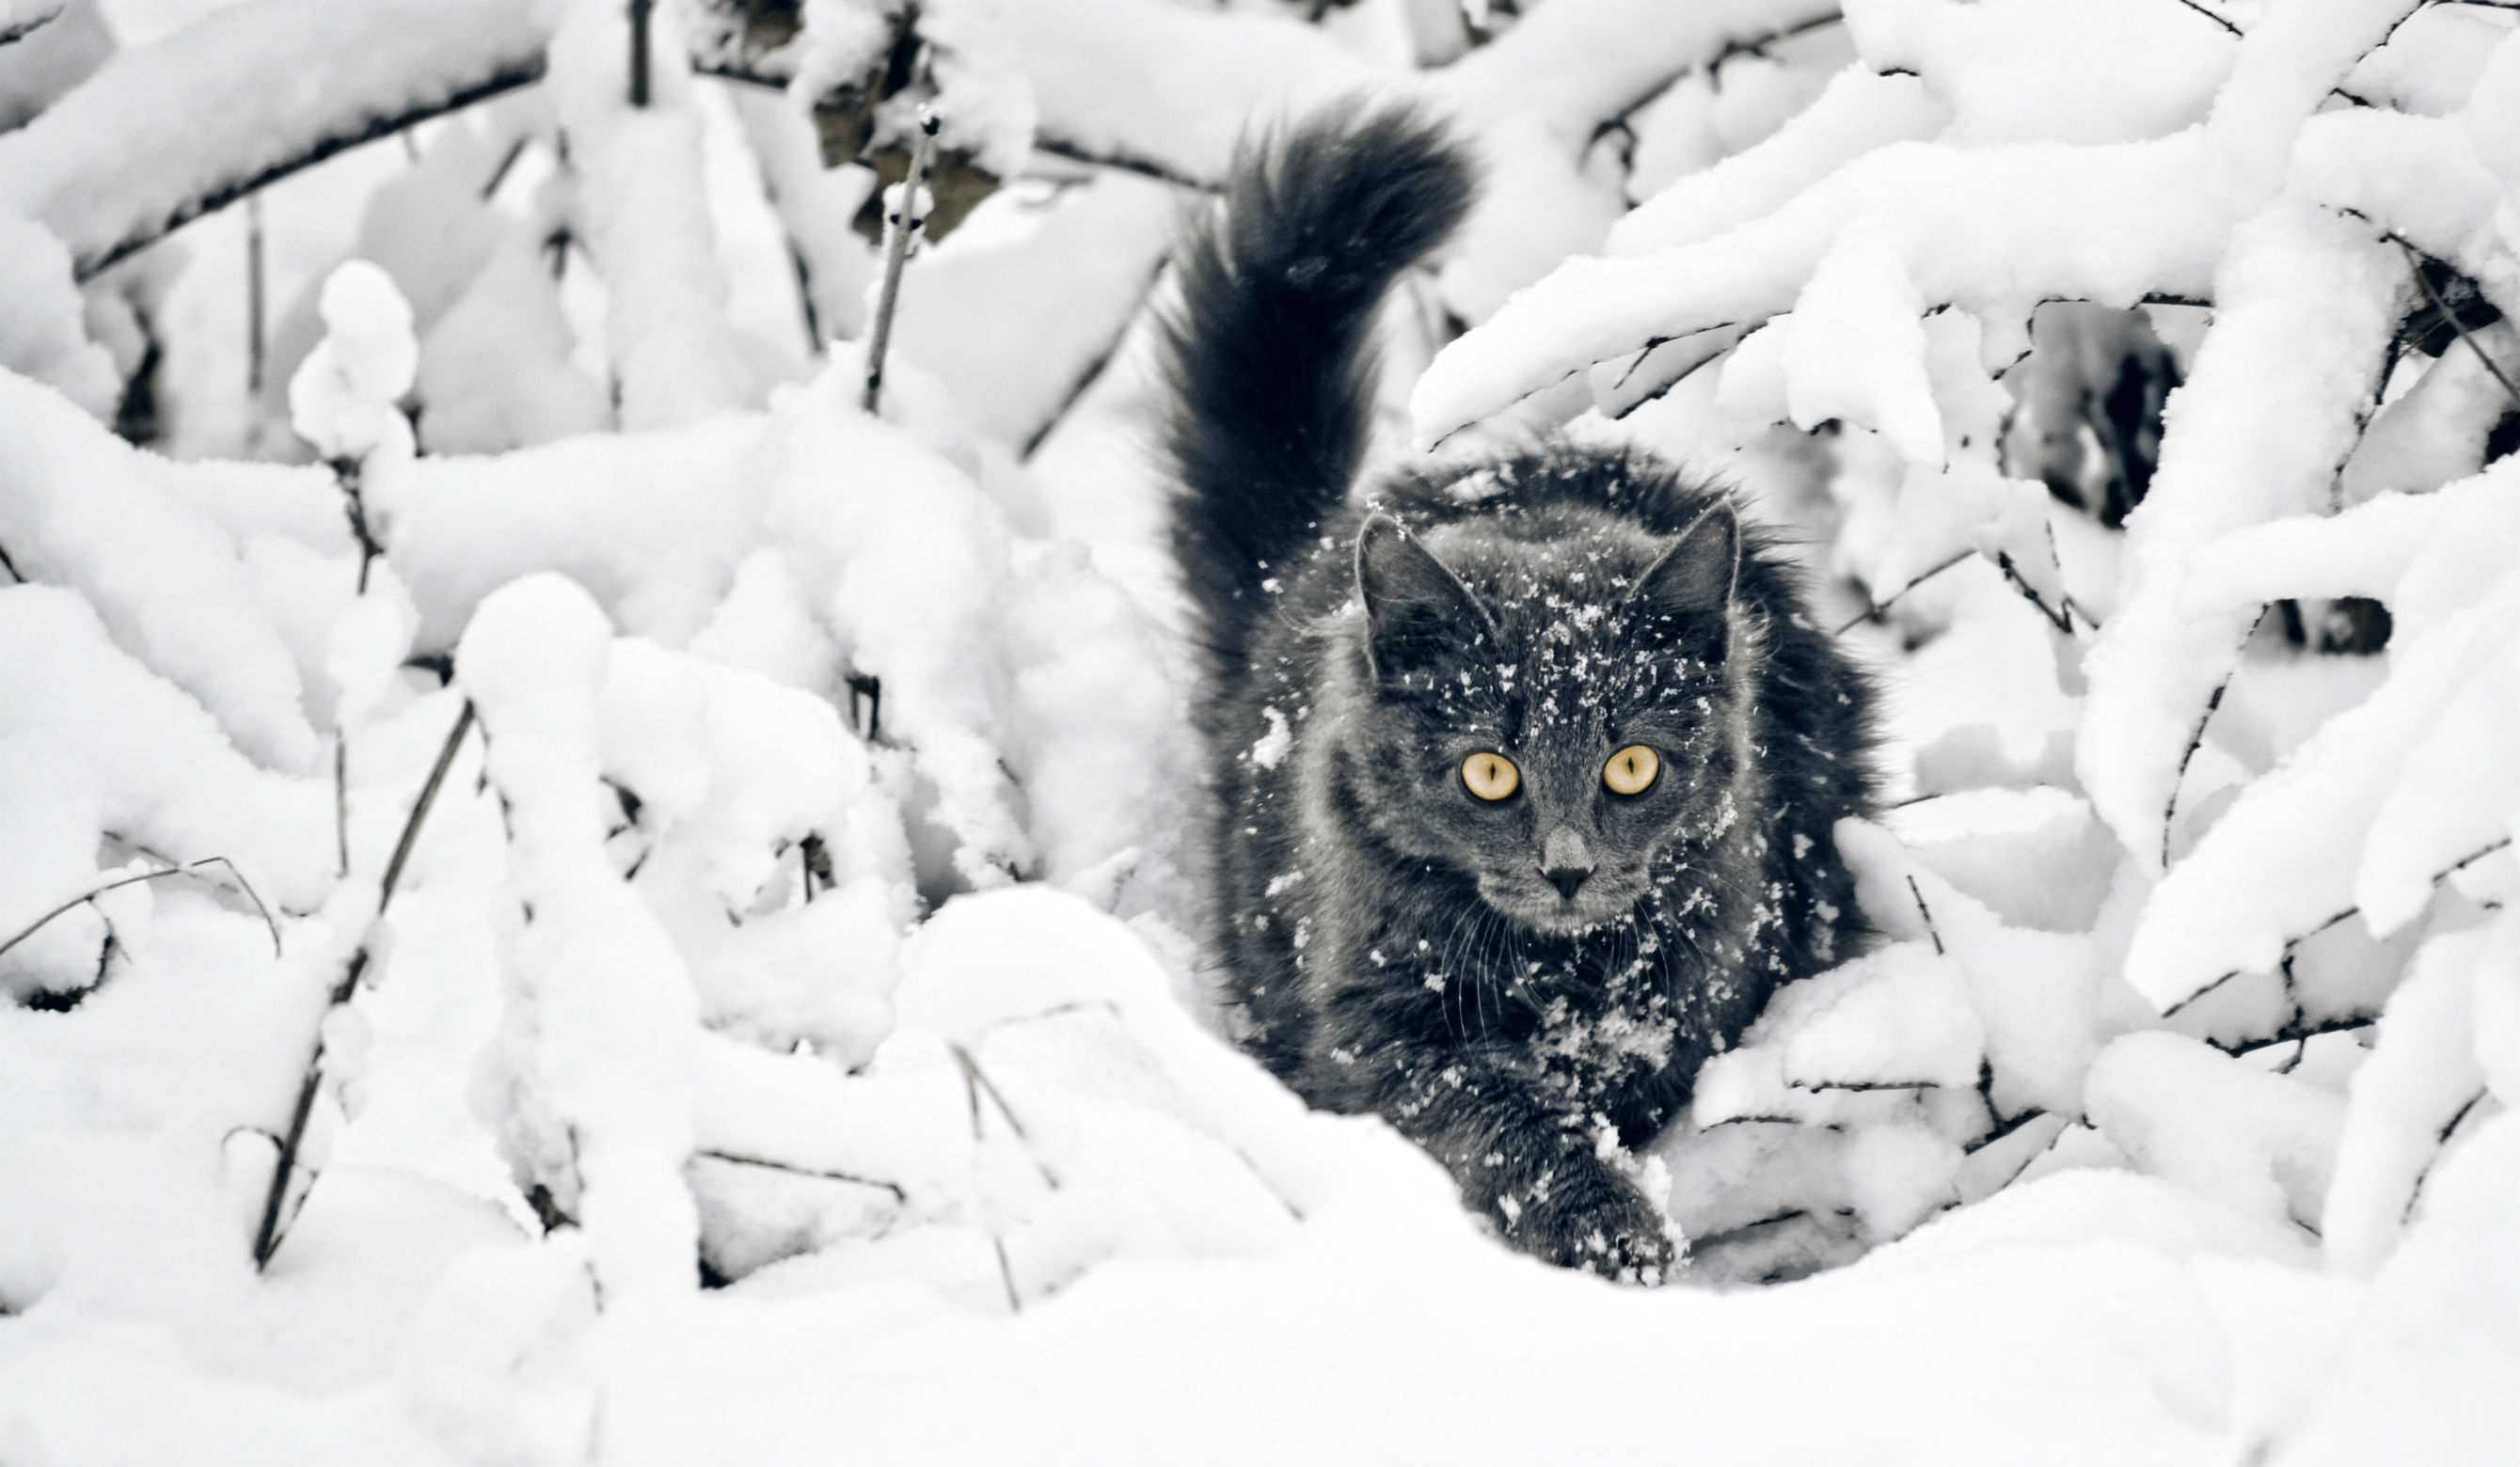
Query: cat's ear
[[1413, 605], [1693, 582]]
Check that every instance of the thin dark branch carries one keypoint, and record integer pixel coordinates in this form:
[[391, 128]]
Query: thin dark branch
[[1058, 147], [978, 1077], [2195, 742], [640, 10], [255, 349], [2060, 617], [341, 800], [420, 809], [730, 71], [2415, 1192], [1007, 1276], [1094, 369], [522, 72], [2218, 19], [186, 868], [2438, 877], [270, 923], [2296, 1031], [267, 1236], [819, 1173], [1873, 608], [1927, 913], [15, 574], [2415, 263], [2005, 1128], [907, 225], [30, 24], [499, 174]]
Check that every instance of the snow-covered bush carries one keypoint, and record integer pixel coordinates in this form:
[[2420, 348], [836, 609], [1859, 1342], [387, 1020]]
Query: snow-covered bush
[[521, 794]]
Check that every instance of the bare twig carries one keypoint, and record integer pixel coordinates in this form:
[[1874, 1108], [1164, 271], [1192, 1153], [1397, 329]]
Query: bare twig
[[270, 923], [186, 868], [2195, 742], [814, 859], [1927, 913], [341, 800], [1873, 608], [978, 1078], [2061, 617], [255, 352], [2415, 263], [818, 1174], [267, 1237], [2438, 877], [906, 224], [1094, 369], [971, 1091], [26, 25], [1078, 152], [2415, 1193], [2297, 1030], [640, 10], [499, 176], [868, 688], [346, 472], [2214, 17]]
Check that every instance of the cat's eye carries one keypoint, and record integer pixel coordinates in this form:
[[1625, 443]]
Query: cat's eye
[[1632, 770], [1490, 776]]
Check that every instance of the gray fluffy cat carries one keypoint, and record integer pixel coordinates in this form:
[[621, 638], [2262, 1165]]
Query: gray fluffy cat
[[1525, 769]]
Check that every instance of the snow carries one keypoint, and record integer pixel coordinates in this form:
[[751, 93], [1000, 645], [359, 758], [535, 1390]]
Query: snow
[[597, 1050], [1860, 110], [2058, 71], [2153, 670], [639, 208], [342, 398], [82, 509], [41, 334], [178, 122], [788, 1036]]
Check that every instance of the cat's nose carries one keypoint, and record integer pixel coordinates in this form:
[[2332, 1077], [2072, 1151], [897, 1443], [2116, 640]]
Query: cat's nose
[[1565, 860]]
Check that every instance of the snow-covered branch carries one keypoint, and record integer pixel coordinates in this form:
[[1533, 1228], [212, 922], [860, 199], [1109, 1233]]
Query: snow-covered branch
[[167, 132]]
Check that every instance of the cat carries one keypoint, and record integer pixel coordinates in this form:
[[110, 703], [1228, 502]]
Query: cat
[[1524, 768]]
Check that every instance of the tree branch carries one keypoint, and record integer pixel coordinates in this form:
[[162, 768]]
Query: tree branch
[[267, 1237]]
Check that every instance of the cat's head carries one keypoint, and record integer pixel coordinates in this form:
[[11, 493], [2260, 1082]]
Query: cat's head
[[1549, 706]]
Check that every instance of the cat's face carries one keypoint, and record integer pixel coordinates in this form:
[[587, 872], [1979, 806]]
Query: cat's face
[[1554, 718]]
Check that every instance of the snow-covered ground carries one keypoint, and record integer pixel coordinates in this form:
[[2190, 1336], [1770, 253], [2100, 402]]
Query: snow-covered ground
[[783, 1037]]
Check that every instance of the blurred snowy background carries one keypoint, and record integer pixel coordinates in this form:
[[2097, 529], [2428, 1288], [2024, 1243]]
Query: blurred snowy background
[[783, 1038]]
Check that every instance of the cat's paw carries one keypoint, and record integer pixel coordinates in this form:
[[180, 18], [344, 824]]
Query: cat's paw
[[1597, 1220]]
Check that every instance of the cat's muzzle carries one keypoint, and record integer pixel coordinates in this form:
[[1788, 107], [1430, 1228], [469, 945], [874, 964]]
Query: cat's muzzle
[[1560, 903]]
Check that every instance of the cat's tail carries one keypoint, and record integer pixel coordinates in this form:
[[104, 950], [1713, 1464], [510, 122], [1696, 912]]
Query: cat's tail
[[1270, 347]]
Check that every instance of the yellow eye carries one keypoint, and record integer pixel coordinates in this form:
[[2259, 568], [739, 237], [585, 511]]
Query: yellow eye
[[1490, 776], [1632, 770]]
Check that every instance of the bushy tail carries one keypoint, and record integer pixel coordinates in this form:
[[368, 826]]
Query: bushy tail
[[1271, 350]]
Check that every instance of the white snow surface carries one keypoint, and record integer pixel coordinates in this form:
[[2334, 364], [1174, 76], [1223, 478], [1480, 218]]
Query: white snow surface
[[789, 1038]]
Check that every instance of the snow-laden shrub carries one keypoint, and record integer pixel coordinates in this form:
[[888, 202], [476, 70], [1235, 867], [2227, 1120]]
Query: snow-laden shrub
[[2294, 835]]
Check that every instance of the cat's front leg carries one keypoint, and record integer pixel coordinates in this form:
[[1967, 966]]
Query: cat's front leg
[[1537, 1173]]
